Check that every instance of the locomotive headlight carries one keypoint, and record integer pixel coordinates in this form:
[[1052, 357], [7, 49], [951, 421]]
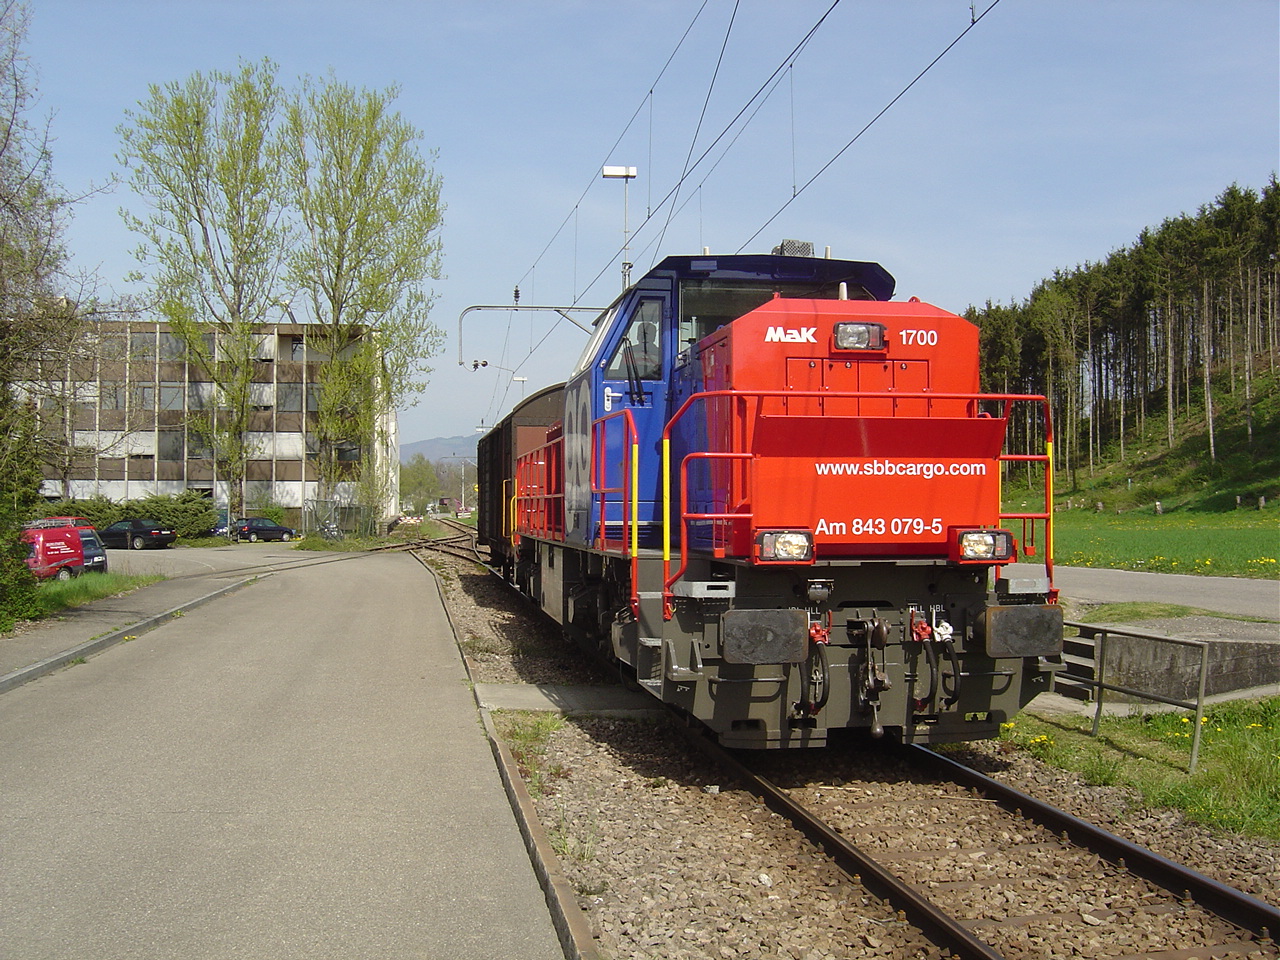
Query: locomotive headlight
[[990, 545], [859, 336], [784, 546]]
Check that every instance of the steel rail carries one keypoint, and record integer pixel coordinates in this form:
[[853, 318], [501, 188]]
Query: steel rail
[[1234, 906], [1243, 911], [943, 929]]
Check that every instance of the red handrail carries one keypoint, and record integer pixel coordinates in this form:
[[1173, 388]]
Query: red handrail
[[974, 400], [629, 545]]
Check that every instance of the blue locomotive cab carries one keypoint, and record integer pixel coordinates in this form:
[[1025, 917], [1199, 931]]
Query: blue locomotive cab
[[615, 412]]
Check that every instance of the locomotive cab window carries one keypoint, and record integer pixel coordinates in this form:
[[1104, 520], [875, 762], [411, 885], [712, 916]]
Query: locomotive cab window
[[600, 329], [707, 305], [639, 352]]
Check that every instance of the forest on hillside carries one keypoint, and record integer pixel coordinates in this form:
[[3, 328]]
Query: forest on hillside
[[1156, 331]]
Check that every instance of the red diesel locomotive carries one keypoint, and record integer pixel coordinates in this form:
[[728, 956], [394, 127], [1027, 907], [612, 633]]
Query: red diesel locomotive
[[774, 497]]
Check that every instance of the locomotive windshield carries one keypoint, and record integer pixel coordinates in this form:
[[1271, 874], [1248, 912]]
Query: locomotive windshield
[[707, 305]]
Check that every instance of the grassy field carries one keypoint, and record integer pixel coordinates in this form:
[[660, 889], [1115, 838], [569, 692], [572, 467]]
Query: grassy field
[[57, 595], [1244, 543], [1236, 785]]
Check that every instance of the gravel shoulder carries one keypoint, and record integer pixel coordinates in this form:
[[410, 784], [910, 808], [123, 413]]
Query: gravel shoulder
[[669, 863]]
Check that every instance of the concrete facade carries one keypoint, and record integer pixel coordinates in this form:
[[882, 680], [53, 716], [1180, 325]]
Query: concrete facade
[[129, 408]]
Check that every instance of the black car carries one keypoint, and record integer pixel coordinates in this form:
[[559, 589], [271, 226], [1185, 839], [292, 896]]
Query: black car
[[95, 557], [137, 534], [254, 529]]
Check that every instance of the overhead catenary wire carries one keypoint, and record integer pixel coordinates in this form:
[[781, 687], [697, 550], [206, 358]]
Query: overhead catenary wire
[[974, 21], [769, 85], [693, 141], [736, 123], [591, 182]]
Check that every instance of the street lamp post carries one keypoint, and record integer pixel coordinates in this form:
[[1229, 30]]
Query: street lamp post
[[626, 175]]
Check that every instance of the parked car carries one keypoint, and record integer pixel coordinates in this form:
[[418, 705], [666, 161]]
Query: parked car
[[254, 529], [137, 534], [55, 553], [95, 554], [222, 527], [63, 547]]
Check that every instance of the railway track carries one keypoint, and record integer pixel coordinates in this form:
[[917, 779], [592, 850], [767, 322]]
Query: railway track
[[935, 863], [988, 872], [460, 542]]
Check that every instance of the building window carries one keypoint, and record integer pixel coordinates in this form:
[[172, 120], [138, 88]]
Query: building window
[[200, 396], [198, 447], [170, 396], [313, 398], [289, 397], [297, 349], [262, 396], [169, 445], [142, 396], [111, 346], [142, 346], [172, 347], [111, 395]]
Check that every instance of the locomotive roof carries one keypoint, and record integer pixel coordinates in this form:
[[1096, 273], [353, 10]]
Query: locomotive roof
[[872, 277]]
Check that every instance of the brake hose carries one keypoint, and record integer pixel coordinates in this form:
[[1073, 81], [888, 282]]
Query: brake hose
[[950, 648]]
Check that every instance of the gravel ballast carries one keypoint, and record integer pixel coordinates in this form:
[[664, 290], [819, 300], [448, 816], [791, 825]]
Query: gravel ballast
[[668, 862]]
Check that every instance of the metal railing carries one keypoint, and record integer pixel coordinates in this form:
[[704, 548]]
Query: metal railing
[[1099, 635]]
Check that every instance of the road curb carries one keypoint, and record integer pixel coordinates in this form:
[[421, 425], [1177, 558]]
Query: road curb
[[98, 644], [572, 927]]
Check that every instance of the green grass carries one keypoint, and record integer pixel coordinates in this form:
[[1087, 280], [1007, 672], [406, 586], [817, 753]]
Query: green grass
[[1234, 544], [526, 735], [1138, 610], [1236, 785], [55, 596]]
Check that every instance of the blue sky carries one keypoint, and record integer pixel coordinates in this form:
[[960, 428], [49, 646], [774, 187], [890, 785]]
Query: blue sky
[[1051, 134]]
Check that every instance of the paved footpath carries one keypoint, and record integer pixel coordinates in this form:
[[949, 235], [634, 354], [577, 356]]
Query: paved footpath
[[297, 771]]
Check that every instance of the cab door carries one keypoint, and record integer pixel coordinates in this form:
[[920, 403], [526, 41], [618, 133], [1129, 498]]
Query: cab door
[[633, 380]]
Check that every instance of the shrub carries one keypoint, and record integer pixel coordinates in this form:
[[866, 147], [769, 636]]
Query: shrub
[[99, 511], [189, 513]]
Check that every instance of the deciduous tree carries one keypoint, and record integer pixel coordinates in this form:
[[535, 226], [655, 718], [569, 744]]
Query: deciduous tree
[[205, 154], [32, 214], [369, 205]]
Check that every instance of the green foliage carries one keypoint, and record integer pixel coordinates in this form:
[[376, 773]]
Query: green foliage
[[204, 154], [1236, 785], [419, 485], [31, 257], [1181, 326], [1241, 544], [54, 596], [99, 511], [260, 197], [1183, 476], [19, 494], [528, 737], [267, 509], [370, 205], [189, 513]]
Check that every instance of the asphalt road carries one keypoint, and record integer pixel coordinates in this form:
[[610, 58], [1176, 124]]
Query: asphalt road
[[294, 772], [1234, 595], [192, 561]]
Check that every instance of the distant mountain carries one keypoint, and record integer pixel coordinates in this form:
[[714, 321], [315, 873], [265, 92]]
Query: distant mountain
[[440, 447]]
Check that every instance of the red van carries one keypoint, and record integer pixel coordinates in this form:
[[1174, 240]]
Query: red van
[[56, 552]]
